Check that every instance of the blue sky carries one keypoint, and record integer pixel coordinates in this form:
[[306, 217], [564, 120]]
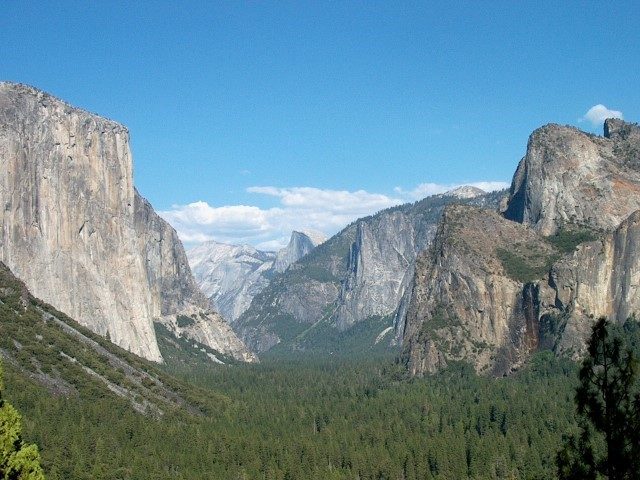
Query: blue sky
[[248, 119]]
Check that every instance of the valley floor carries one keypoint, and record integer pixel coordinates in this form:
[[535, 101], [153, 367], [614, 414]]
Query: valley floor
[[311, 420]]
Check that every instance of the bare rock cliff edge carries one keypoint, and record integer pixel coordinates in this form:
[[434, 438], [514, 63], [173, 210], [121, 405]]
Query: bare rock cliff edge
[[571, 177]]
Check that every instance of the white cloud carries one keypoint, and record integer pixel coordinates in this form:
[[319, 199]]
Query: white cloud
[[300, 208], [599, 113], [335, 200]]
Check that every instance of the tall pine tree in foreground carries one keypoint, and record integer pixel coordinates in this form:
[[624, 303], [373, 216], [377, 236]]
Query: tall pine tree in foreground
[[608, 405], [18, 460]]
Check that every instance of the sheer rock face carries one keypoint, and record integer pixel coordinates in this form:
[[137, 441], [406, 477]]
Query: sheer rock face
[[166, 264], [568, 176], [360, 273], [231, 275], [299, 245], [600, 278], [175, 288], [75, 230], [383, 252], [464, 305]]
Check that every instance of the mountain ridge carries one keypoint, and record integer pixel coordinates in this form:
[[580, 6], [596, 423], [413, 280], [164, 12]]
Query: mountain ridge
[[232, 275], [357, 277]]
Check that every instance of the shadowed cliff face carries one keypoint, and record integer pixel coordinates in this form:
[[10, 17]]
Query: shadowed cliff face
[[75, 230], [491, 291]]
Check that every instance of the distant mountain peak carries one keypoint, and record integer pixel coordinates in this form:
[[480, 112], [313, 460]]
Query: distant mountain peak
[[315, 236], [301, 243], [465, 191], [231, 275]]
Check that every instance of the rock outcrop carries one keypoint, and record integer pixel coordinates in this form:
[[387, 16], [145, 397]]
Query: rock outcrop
[[491, 291], [571, 177], [380, 258], [494, 299], [299, 245], [231, 275], [77, 233], [469, 301], [465, 191], [357, 278], [600, 278]]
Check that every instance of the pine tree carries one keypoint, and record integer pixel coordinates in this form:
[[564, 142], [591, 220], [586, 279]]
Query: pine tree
[[608, 405], [18, 460]]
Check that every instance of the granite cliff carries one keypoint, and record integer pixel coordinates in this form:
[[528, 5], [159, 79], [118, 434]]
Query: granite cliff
[[82, 239], [343, 296], [571, 177], [230, 275], [493, 290], [299, 245], [469, 301]]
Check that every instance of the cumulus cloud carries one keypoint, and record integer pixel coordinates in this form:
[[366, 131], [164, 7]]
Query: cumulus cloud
[[299, 208], [336, 200], [597, 114], [199, 222]]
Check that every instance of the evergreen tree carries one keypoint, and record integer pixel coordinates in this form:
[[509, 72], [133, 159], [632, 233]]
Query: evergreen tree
[[608, 405], [18, 461]]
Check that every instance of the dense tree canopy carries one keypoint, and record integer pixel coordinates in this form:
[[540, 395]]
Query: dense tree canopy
[[314, 420], [18, 460]]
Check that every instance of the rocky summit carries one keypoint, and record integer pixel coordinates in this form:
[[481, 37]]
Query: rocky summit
[[299, 245], [571, 177], [492, 290], [78, 234]]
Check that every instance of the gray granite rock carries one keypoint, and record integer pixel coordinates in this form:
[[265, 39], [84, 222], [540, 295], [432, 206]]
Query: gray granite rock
[[359, 274], [231, 275], [78, 234], [571, 177], [472, 301]]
